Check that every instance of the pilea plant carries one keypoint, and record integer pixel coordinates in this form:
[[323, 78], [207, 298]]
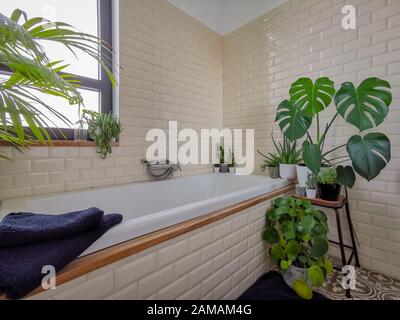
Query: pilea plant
[[364, 107], [298, 234], [103, 128]]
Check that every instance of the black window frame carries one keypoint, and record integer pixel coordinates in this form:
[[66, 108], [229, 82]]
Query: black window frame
[[102, 85]]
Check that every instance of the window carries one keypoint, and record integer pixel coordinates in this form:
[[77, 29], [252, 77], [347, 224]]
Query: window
[[89, 16]]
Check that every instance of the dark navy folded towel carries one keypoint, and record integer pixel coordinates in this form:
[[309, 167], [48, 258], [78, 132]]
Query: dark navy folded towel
[[27, 228], [21, 266]]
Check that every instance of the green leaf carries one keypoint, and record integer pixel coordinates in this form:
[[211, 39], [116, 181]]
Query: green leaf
[[277, 253], [288, 230], [369, 154], [271, 236], [293, 121], [319, 230], [284, 265], [319, 246], [316, 276], [328, 266], [302, 289], [312, 156], [346, 176], [367, 106], [312, 97], [305, 225], [293, 249]]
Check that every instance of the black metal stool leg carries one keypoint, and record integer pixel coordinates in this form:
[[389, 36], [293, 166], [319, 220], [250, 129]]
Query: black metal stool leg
[[352, 235], [341, 245]]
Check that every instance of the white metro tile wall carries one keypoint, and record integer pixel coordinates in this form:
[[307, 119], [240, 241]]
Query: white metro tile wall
[[172, 70], [218, 261], [305, 38]]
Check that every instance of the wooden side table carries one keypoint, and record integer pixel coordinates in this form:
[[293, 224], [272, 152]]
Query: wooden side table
[[343, 202]]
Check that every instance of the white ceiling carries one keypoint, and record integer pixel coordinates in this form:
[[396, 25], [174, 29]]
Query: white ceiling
[[224, 16]]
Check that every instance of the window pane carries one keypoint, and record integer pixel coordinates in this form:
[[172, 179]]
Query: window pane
[[82, 14], [90, 98]]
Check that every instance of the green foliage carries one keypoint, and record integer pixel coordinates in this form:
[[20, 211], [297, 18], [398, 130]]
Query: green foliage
[[364, 107], [312, 97], [32, 73], [327, 176], [293, 121], [298, 234], [103, 128], [312, 156]]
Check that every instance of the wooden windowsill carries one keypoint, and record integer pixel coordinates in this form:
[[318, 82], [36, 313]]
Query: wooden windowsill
[[110, 255], [61, 143]]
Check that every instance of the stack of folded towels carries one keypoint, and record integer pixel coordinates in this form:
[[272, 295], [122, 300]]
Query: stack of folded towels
[[28, 242]]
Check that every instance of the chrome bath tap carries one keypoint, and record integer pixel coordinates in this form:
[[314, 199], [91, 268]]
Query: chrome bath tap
[[160, 170]]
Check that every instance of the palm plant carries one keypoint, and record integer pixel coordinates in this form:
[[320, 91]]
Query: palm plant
[[31, 72]]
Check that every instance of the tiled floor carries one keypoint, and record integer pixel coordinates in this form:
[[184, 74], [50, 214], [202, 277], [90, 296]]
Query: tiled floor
[[370, 285]]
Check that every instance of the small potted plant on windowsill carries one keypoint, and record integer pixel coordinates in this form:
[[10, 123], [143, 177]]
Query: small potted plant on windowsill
[[312, 186], [329, 188], [231, 162]]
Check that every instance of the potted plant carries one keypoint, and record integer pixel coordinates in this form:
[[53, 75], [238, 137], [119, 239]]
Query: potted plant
[[289, 158], [364, 107], [302, 173], [231, 162], [270, 163], [329, 188], [298, 235], [103, 129], [312, 186]]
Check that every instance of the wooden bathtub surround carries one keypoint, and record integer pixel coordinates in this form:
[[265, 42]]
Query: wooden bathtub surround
[[110, 255]]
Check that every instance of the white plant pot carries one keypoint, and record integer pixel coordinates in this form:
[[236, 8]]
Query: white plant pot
[[311, 193], [232, 170], [287, 171], [294, 273], [302, 175], [216, 169]]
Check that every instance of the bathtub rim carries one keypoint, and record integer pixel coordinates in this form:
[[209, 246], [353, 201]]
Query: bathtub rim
[[107, 256]]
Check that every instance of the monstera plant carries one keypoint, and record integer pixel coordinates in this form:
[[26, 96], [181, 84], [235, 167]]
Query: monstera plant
[[364, 107]]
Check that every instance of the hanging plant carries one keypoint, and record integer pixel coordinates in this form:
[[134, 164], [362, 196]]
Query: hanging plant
[[103, 129]]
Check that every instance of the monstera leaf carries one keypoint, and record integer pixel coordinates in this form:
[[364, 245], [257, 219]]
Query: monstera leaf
[[367, 106], [293, 121], [346, 176], [311, 97], [312, 156], [369, 153]]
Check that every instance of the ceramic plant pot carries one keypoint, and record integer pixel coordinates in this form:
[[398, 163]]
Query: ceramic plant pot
[[311, 193], [293, 273], [232, 170], [287, 171], [224, 168], [302, 174], [329, 192], [300, 191], [274, 172], [217, 169]]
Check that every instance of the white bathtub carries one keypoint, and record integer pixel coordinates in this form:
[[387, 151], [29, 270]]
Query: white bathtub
[[150, 206]]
